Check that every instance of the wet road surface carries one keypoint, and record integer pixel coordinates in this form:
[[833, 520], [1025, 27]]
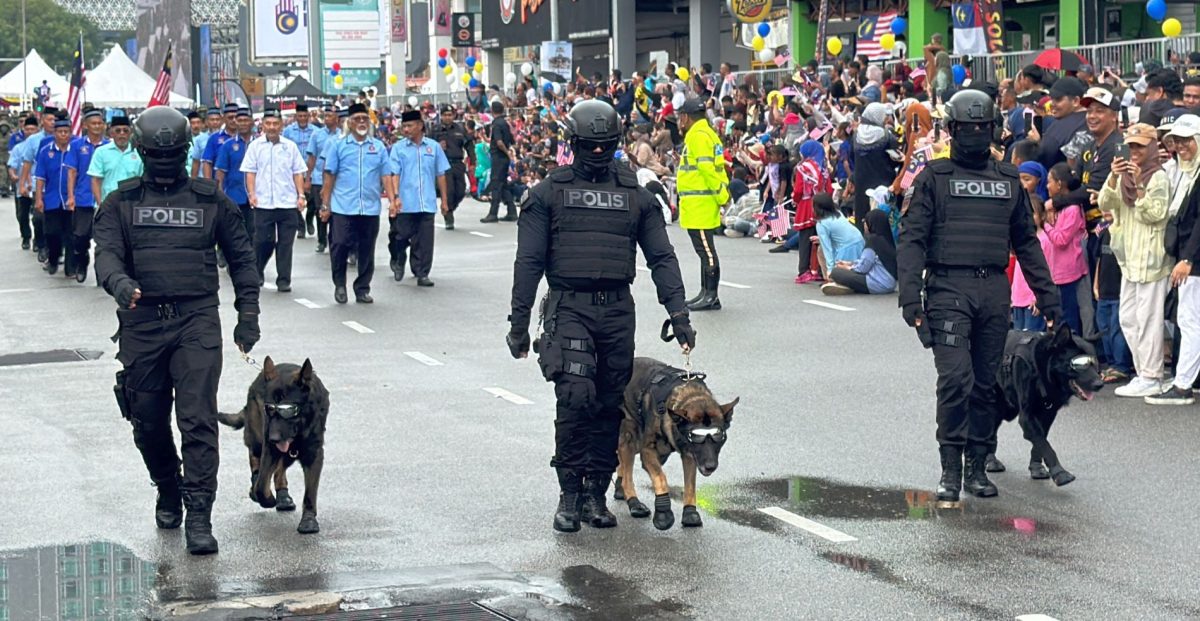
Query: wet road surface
[[436, 486]]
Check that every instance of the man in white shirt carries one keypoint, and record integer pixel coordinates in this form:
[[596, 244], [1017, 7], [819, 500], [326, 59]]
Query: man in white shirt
[[274, 172]]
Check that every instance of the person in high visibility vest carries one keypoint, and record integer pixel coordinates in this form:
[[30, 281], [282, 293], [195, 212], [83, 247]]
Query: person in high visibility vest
[[703, 189]]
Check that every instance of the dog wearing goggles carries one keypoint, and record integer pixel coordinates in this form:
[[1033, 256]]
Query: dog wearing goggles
[[283, 422], [667, 410], [1039, 374]]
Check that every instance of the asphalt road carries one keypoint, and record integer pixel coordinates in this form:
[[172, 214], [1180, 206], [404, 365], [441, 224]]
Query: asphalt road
[[427, 468]]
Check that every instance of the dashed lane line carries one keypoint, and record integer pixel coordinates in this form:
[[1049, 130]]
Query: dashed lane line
[[422, 358], [307, 303], [358, 327], [734, 285], [815, 528], [1036, 617], [511, 397], [836, 307], [3, 291], [481, 234]]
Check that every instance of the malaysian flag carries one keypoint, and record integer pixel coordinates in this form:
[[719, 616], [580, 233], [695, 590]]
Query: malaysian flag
[[774, 220], [75, 96], [870, 28], [162, 88], [565, 156]]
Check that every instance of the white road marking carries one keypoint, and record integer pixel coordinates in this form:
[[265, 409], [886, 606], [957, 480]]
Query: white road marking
[[307, 303], [439, 225], [508, 396], [271, 286], [734, 285], [422, 358], [3, 291], [1036, 617], [358, 327], [815, 528], [643, 268], [481, 234], [836, 307]]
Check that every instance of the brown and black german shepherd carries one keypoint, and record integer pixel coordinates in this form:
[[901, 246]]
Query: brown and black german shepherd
[[666, 413], [284, 422]]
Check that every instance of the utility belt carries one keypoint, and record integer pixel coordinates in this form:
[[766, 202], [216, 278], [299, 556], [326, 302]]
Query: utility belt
[[983, 271], [166, 311], [595, 298]]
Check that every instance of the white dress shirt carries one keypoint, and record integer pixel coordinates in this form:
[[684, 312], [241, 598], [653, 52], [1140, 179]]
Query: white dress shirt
[[274, 165]]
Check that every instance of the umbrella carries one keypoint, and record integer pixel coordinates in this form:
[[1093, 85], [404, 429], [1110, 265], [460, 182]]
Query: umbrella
[[1059, 60]]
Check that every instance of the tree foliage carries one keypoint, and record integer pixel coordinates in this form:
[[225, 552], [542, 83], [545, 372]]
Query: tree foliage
[[52, 31]]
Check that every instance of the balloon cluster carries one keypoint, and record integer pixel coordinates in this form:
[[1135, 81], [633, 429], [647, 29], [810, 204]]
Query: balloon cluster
[[1157, 10], [335, 71]]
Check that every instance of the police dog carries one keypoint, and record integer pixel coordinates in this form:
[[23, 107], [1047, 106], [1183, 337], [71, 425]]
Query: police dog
[[1040, 373], [664, 413], [283, 421]]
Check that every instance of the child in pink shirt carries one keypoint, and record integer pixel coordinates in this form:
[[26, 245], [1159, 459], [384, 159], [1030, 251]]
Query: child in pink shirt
[[1067, 230], [1025, 314]]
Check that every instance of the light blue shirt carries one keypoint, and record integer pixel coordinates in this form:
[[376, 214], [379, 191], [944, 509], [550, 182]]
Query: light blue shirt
[[299, 136], [27, 151], [359, 169], [112, 166], [879, 280], [321, 139], [840, 241], [418, 166], [196, 153]]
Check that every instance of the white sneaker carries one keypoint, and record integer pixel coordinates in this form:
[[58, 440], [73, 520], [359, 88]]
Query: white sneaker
[[1140, 387]]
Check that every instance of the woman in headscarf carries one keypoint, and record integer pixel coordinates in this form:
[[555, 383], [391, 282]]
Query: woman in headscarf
[[1137, 194], [916, 123], [873, 165], [812, 178], [875, 269]]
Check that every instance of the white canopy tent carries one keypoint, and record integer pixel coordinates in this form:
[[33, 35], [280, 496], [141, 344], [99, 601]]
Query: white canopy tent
[[28, 75], [118, 82]]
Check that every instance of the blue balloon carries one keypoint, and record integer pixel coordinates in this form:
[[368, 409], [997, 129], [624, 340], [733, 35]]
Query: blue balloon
[[549, 87], [960, 74], [333, 73], [764, 29], [1157, 10], [474, 83], [765, 138], [899, 25], [470, 61], [441, 63]]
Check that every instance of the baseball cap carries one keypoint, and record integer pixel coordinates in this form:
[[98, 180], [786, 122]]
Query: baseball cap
[[1186, 126], [693, 105], [1141, 133], [1168, 120], [1086, 69], [1067, 87], [1029, 97], [1102, 96]]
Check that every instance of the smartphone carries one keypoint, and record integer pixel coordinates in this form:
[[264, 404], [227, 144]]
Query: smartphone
[[1037, 123], [1124, 117], [1123, 151], [1030, 121]]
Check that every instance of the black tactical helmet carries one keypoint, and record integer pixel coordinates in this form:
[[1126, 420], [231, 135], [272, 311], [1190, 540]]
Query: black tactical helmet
[[161, 132], [970, 106], [593, 120]]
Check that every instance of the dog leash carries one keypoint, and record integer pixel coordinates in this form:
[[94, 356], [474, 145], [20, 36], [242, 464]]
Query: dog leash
[[667, 336], [248, 360]]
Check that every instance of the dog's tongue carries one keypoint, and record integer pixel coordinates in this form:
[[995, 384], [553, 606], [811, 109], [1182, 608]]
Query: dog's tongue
[[283, 446]]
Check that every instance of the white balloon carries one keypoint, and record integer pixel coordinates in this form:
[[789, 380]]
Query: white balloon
[[527, 68], [678, 100], [557, 88], [766, 55], [412, 100], [452, 78], [510, 78]]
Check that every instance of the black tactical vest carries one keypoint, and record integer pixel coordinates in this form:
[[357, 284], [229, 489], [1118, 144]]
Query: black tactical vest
[[972, 213], [593, 229], [170, 238]]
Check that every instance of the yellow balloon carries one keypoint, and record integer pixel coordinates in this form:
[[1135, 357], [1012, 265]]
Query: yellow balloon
[[392, 79], [834, 45], [479, 68], [757, 43], [775, 98], [466, 79], [682, 74], [1172, 28], [887, 41], [447, 70]]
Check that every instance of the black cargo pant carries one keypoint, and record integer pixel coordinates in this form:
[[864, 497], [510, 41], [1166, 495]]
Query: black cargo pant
[[498, 187], [312, 216], [81, 233], [173, 359], [24, 208], [275, 233], [456, 184], [968, 315], [353, 234], [587, 351], [415, 231], [56, 229]]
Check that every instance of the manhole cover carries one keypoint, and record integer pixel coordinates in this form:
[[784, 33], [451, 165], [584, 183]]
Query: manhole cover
[[54, 355], [462, 611]]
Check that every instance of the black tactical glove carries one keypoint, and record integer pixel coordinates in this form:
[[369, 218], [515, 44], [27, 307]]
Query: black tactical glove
[[518, 342], [246, 333], [125, 291], [681, 325], [1052, 315], [913, 312]]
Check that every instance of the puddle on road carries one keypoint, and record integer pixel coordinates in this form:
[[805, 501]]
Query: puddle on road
[[97, 580]]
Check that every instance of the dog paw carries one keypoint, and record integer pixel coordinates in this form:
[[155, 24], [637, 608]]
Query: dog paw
[[284, 501], [637, 509], [618, 490], [691, 517], [664, 520], [1062, 477], [266, 502], [308, 525], [1037, 471], [993, 464]]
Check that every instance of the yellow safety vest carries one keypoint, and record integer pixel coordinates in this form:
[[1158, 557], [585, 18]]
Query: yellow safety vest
[[701, 181]]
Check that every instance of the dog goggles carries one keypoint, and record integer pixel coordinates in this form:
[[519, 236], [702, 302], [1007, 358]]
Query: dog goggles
[[286, 411], [698, 436], [1080, 363]]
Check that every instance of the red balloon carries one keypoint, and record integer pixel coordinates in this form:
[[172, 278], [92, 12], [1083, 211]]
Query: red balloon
[[337, 66], [443, 52]]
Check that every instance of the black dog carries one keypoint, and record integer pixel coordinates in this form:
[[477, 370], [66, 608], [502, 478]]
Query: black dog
[[1040, 373], [284, 422]]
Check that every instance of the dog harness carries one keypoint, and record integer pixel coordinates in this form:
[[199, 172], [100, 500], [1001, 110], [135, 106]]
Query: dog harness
[[1018, 369], [662, 384]]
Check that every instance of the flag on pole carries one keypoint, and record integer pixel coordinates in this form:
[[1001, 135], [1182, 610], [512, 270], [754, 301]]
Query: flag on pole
[[870, 29], [75, 94], [162, 88], [969, 38]]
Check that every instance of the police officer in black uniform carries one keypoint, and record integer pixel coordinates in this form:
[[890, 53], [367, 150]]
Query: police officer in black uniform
[[580, 227], [155, 239], [966, 212], [455, 142]]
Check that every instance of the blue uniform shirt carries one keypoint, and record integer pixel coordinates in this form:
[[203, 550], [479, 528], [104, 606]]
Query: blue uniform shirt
[[418, 166], [299, 136], [360, 168], [229, 160], [79, 158], [51, 170], [213, 146], [196, 153], [321, 139]]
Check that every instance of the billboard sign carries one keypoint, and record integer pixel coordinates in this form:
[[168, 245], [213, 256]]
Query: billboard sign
[[280, 29], [350, 36]]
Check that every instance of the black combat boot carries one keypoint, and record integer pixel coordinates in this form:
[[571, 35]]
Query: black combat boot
[[952, 473], [975, 480], [566, 517], [197, 527], [593, 510], [168, 508], [703, 291], [709, 301]]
